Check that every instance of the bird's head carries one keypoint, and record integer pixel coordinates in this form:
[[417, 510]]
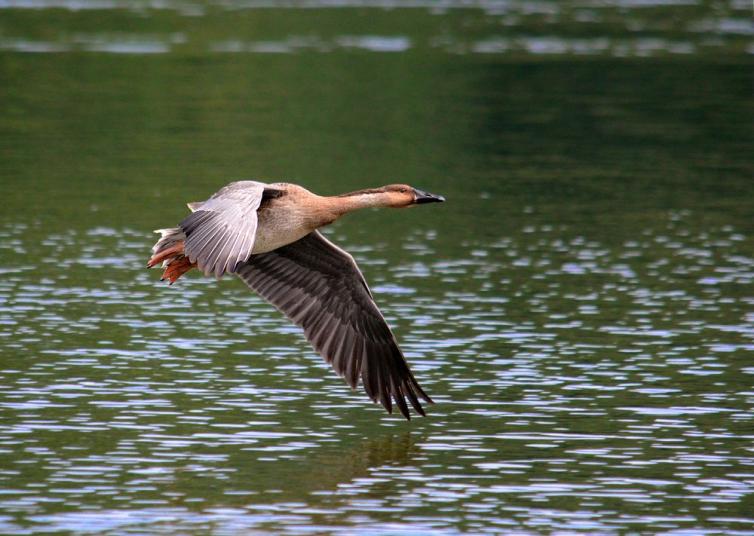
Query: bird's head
[[403, 195]]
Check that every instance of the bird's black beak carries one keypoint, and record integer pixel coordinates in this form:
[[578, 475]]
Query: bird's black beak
[[421, 196]]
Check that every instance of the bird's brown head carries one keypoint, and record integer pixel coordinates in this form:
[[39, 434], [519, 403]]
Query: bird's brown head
[[403, 195]]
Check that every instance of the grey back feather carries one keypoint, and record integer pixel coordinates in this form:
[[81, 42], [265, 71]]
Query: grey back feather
[[220, 232]]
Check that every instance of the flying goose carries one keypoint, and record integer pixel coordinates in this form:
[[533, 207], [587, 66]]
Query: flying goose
[[267, 235]]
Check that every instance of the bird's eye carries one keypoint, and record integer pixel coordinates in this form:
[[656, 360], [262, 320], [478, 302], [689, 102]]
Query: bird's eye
[[403, 190]]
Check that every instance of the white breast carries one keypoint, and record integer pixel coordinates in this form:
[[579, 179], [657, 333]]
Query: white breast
[[279, 227]]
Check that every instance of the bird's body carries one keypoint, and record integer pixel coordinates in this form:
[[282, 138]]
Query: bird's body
[[282, 222], [267, 235]]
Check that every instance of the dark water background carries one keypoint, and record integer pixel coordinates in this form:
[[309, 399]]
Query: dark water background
[[581, 309]]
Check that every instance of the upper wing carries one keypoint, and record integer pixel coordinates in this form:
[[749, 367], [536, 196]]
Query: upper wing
[[319, 287], [220, 232]]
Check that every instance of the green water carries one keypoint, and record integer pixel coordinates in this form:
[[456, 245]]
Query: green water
[[581, 309]]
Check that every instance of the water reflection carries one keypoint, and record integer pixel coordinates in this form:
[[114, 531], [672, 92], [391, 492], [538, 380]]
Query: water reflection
[[328, 478]]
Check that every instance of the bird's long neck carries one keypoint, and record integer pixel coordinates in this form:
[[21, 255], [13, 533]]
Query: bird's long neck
[[333, 207]]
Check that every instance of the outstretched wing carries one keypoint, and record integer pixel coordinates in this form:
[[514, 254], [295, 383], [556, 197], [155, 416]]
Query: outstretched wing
[[319, 287], [220, 232]]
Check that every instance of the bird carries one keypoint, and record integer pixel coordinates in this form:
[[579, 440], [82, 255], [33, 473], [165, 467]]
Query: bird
[[268, 236]]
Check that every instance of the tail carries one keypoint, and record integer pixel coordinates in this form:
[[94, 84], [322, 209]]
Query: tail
[[169, 251]]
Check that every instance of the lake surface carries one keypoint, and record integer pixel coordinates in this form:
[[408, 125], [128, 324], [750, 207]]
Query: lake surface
[[581, 309]]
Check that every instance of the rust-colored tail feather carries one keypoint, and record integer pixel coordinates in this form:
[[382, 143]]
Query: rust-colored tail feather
[[166, 254], [176, 268], [169, 251]]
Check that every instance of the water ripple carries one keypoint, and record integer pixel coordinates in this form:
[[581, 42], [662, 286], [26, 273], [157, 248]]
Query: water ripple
[[584, 381]]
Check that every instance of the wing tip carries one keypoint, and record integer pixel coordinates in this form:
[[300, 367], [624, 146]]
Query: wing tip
[[386, 401]]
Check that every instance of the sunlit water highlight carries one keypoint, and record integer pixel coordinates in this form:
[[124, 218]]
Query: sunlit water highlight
[[624, 28]]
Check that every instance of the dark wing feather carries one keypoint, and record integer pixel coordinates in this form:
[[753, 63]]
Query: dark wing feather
[[220, 232], [319, 287]]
